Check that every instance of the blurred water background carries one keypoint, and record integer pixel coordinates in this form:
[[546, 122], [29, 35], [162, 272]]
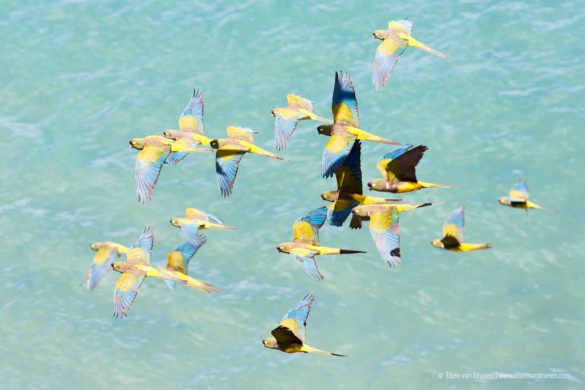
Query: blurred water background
[[80, 78]]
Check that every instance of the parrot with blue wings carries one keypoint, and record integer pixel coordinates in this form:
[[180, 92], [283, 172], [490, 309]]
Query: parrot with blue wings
[[395, 39], [519, 198], [290, 334], [305, 244], [398, 170], [453, 235], [107, 252], [229, 153], [195, 220], [345, 129]]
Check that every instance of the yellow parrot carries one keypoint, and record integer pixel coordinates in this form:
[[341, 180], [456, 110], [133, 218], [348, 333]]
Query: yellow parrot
[[196, 220], [107, 252], [345, 128], [398, 169], [349, 192], [230, 151], [134, 270], [384, 227], [178, 263], [305, 244], [519, 198], [287, 119], [395, 39], [154, 152], [190, 126], [453, 235], [288, 336]]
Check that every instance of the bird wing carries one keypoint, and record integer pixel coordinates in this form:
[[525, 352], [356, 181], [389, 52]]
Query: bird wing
[[387, 55], [100, 265], [316, 218], [300, 313], [385, 231], [349, 175], [179, 258], [149, 162], [241, 133], [303, 231], [340, 210], [126, 291], [336, 151], [401, 26], [344, 103], [296, 101], [309, 265], [519, 192], [284, 127], [192, 117], [227, 163], [285, 336], [145, 240], [454, 226], [203, 215], [403, 167], [138, 256]]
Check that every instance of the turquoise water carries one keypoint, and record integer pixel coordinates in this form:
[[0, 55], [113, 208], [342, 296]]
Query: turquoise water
[[78, 79]]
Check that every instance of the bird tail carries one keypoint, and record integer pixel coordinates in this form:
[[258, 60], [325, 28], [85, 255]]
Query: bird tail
[[200, 285], [323, 250], [432, 185], [203, 140], [363, 135], [464, 247], [320, 119], [532, 205], [407, 206], [211, 225], [257, 150], [308, 349], [419, 45]]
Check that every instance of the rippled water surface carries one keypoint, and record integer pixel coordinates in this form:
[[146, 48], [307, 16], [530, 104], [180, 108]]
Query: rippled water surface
[[78, 79]]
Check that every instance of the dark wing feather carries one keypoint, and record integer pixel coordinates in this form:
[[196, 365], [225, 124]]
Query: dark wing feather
[[404, 166]]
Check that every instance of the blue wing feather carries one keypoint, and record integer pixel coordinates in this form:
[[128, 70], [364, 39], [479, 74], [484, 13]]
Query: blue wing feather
[[226, 170]]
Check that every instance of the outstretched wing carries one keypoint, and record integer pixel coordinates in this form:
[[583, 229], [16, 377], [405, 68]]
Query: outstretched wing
[[387, 55], [519, 192], [303, 231], [316, 218], [241, 133], [403, 167], [145, 240], [285, 336], [336, 151], [401, 26], [100, 265], [300, 313], [126, 292], [344, 103], [203, 215], [296, 101], [340, 210], [385, 231], [454, 226], [284, 127], [179, 258], [149, 162], [349, 175], [192, 117], [227, 163], [309, 265]]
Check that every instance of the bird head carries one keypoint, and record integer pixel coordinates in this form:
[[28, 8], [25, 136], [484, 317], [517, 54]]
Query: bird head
[[214, 144], [329, 196], [438, 244], [95, 246], [283, 248], [270, 342], [379, 34], [377, 185], [137, 143], [360, 211], [118, 266], [324, 129], [505, 201], [172, 134], [175, 222]]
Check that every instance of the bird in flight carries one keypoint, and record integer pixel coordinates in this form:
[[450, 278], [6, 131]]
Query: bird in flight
[[519, 198], [453, 235]]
